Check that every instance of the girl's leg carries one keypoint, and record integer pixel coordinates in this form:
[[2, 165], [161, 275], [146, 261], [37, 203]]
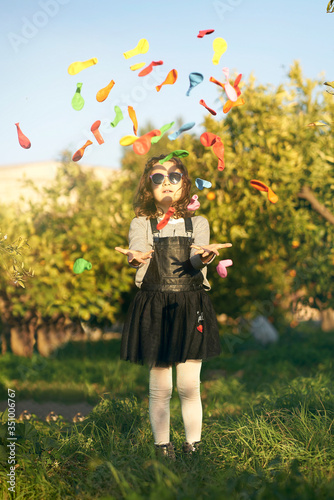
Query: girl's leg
[[160, 392], [188, 387]]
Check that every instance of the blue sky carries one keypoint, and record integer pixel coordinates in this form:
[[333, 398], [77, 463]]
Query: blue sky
[[40, 39]]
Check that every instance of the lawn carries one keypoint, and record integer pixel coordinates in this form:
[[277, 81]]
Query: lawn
[[267, 432]]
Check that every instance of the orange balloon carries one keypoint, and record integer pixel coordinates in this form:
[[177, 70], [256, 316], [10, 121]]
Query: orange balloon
[[143, 143], [208, 138], [149, 68], [230, 104], [103, 93], [211, 195], [170, 79], [95, 129], [217, 82], [133, 117], [79, 154], [261, 186], [218, 149]]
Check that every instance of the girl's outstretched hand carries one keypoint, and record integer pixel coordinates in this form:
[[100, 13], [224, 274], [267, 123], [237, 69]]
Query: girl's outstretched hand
[[208, 251], [134, 256]]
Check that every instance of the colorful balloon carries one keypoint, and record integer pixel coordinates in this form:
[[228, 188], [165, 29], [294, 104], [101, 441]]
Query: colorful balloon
[[170, 79], [149, 68], [78, 66], [79, 154], [103, 93], [212, 111], [230, 91], [179, 153], [201, 183], [127, 140], [141, 48], [78, 101], [166, 218], [218, 149], [210, 139], [95, 129], [261, 186], [222, 265], [134, 67], [194, 203], [23, 140], [183, 128], [219, 47], [230, 104], [81, 265], [118, 117], [195, 79], [133, 117], [204, 32], [163, 129], [143, 143]]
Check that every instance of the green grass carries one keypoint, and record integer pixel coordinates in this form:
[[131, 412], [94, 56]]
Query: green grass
[[268, 429]]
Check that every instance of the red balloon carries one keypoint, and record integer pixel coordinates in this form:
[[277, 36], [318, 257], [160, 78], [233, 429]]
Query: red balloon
[[23, 140]]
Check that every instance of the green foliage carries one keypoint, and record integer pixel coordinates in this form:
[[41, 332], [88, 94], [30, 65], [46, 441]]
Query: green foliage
[[76, 217], [11, 261]]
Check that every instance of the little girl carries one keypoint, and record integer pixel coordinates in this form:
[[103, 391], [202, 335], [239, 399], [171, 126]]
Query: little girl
[[171, 320]]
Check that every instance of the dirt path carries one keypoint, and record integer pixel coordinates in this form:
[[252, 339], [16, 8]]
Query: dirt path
[[41, 410]]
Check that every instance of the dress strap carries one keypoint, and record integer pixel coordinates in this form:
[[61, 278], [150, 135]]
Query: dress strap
[[155, 231], [189, 224]]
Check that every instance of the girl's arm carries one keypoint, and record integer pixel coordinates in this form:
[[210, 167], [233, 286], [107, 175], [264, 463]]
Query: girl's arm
[[138, 241], [139, 249], [201, 237], [202, 252]]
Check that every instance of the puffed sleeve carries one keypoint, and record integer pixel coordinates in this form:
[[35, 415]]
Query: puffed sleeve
[[138, 236]]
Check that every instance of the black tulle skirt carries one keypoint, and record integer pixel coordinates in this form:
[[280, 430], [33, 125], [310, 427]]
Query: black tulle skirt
[[164, 328]]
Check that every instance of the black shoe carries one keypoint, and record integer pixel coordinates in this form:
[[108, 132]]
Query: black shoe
[[165, 450], [190, 448]]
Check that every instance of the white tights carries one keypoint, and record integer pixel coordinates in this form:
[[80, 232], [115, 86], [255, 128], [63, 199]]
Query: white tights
[[160, 392]]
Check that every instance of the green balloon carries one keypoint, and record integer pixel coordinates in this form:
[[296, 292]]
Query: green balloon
[[81, 265], [78, 101], [118, 117], [163, 129], [180, 153]]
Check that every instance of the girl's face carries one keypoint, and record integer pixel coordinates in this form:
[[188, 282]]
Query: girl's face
[[166, 193]]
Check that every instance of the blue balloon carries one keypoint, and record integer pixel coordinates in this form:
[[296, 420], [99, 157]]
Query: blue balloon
[[201, 184], [186, 126], [195, 79]]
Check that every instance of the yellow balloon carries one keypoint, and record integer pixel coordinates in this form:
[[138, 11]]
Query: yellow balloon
[[134, 67], [219, 46], [127, 140], [142, 48], [78, 66]]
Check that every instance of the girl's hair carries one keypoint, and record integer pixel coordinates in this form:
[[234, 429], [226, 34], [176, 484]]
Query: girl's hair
[[143, 202]]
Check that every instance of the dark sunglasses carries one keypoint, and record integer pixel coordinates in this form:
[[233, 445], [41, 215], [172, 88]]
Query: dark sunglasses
[[174, 178]]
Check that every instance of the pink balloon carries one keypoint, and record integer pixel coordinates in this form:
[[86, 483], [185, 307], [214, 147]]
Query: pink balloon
[[194, 203], [222, 265]]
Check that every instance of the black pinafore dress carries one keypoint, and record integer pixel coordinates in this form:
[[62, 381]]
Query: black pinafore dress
[[171, 318]]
